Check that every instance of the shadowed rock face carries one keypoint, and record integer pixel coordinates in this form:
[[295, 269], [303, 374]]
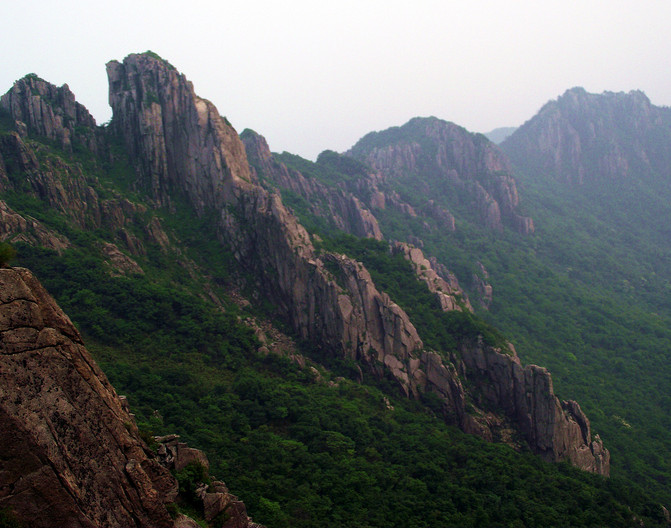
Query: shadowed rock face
[[583, 137], [71, 452], [337, 306]]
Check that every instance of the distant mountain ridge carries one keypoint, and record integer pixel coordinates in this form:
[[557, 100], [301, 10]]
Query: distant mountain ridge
[[581, 137], [444, 159], [499, 134]]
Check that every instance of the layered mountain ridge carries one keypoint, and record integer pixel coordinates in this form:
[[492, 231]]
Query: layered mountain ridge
[[353, 318], [182, 149]]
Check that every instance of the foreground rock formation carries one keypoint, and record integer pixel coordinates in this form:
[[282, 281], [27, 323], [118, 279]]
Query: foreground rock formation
[[71, 452], [183, 146]]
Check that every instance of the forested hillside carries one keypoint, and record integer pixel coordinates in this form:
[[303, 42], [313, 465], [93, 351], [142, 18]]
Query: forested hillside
[[333, 379]]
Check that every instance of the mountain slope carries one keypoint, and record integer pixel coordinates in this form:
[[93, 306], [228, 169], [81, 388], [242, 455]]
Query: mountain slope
[[586, 295], [349, 317], [148, 282]]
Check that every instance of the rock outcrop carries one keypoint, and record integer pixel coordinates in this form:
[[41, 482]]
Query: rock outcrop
[[28, 167], [16, 228], [438, 158], [217, 500], [333, 203], [42, 109], [446, 288], [328, 299], [71, 452], [558, 430], [181, 141], [583, 137], [72, 455]]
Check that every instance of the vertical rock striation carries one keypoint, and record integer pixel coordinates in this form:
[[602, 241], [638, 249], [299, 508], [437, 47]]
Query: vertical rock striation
[[181, 141], [182, 145], [42, 109], [582, 137]]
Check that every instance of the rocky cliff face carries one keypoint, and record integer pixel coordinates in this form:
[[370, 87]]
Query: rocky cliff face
[[327, 298], [445, 287], [181, 141], [583, 137], [442, 159], [71, 452], [30, 168], [41, 108], [336, 204], [558, 430]]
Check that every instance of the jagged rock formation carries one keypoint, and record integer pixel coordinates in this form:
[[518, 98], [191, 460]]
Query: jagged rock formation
[[71, 452], [339, 206], [557, 430], [63, 185], [41, 108], [442, 159], [16, 228], [217, 501], [583, 137], [181, 141], [72, 455], [328, 299], [445, 288]]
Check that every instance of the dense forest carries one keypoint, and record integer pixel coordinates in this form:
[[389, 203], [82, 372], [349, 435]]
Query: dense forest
[[306, 438]]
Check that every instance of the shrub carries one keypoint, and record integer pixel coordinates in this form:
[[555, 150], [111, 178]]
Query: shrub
[[7, 253]]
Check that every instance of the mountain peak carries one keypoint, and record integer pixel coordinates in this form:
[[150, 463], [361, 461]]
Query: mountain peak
[[443, 159], [581, 137], [41, 108], [182, 143]]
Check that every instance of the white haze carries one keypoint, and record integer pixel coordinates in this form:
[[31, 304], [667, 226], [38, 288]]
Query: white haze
[[315, 75]]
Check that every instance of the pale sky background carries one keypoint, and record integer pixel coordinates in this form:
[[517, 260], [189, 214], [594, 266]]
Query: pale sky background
[[316, 75]]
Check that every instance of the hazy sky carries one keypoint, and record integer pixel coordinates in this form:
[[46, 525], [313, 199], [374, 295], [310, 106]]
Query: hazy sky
[[315, 75]]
